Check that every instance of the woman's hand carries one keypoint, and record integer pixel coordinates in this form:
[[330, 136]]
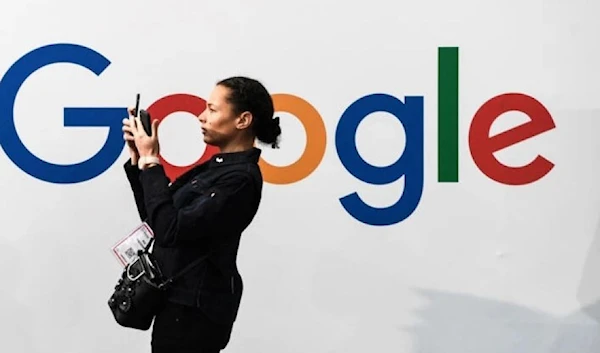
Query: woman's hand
[[147, 146], [128, 137]]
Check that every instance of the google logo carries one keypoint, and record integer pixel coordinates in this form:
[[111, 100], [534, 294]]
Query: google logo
[[408, 111]]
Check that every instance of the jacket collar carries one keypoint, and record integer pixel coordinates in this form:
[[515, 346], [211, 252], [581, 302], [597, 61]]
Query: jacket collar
[[218, 160], [222, 159]]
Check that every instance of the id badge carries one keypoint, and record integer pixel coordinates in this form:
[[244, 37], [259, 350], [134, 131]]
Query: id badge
[[127, 248]]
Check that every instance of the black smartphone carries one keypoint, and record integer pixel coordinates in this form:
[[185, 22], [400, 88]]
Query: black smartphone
[[137, 105], [146, 121]]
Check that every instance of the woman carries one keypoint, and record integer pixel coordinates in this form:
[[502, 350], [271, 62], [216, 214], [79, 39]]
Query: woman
[[203, 213]]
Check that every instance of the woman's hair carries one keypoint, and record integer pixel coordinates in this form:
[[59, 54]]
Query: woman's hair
[[247, 94]]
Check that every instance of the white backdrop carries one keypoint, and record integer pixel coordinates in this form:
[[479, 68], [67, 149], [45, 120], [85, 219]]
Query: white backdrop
[[478, 267]]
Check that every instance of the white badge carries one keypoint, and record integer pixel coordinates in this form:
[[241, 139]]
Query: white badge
[[127, 248]]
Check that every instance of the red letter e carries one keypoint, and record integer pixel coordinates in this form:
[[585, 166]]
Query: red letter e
[[483, 146]]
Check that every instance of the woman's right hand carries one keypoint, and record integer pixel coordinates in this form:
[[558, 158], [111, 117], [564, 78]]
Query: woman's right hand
[[128, 137]]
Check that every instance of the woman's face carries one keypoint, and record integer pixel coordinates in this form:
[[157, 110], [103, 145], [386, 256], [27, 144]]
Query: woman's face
[[220, 125]]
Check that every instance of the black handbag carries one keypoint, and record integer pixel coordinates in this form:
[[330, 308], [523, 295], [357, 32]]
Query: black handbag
[[141, 290]]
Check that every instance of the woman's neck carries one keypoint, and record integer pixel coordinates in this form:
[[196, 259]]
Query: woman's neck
[[238, 146]]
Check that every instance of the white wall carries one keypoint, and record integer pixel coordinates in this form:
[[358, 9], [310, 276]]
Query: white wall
[[479, 266]]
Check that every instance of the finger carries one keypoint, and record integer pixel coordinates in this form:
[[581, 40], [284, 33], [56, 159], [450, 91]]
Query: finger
[[128, 122], [155, 128], [127, 129], [139, 127], [128, 137], [133, 126], [127, 125]]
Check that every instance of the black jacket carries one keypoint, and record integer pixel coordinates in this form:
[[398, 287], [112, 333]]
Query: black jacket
[[203, 211]]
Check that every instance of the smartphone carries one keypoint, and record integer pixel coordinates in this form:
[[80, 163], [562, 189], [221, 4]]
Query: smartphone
[[137, 105], [146, 121]]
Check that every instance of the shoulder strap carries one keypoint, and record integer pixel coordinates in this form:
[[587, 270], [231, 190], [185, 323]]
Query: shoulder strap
[[185, 270], [182, 272]]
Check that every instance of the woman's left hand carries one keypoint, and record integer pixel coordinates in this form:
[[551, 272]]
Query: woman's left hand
[[147, 146]]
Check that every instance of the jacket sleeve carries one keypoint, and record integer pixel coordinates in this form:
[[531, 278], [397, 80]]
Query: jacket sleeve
[[207, 215], [133, 176]]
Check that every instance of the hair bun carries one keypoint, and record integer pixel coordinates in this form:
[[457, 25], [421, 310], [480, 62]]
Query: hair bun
[[275, 131]]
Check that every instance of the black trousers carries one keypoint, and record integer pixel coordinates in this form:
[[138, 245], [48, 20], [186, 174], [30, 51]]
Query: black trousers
[[183, 329]]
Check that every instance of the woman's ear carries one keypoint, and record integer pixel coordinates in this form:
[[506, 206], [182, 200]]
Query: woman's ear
[[244, 121]]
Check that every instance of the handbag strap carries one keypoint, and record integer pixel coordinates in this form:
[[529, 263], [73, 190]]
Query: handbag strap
[[185, 269]]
